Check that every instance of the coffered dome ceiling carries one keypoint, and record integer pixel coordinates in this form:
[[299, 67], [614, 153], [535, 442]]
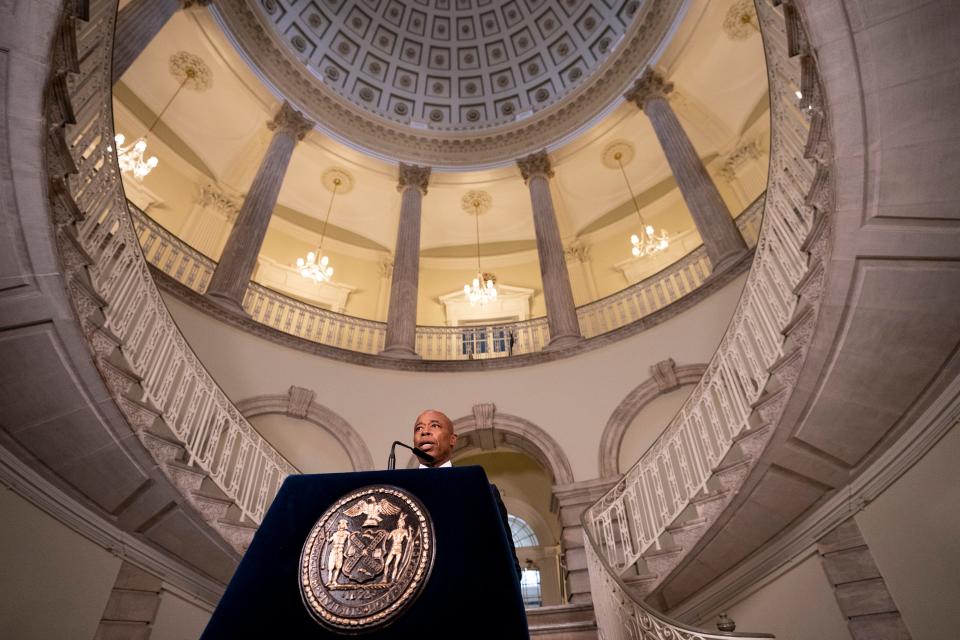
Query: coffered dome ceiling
[[450, 82]]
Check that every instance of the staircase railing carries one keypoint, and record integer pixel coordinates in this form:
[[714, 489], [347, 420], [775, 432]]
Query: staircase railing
[[634, 515], [159, 382], [620, 616], [170, 254]]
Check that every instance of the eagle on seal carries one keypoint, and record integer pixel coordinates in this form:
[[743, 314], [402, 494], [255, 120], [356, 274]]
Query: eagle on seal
[[373, 510]]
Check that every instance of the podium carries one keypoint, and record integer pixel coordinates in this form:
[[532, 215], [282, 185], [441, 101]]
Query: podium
[[471, 591]]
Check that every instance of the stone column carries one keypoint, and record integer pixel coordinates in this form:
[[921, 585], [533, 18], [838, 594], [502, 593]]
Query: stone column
[[229, 281], [561, 311], [137, 24], [401, 338], [722, 240]]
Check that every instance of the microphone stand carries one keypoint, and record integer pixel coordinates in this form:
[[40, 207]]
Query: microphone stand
[[392, 459]]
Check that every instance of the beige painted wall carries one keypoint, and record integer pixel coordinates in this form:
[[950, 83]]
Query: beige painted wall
[[348, 269], [308, 447], [649, 424], [435, 282], [913, 531], [571, 399], [797, 605], [55, 583], [178, 618]]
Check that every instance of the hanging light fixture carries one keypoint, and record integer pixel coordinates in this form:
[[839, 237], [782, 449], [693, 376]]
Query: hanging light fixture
[[316, 266], [483, 288], [647, 242], [193, 74]]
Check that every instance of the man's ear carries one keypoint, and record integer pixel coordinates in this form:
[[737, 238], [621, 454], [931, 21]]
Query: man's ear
[[453, 439]]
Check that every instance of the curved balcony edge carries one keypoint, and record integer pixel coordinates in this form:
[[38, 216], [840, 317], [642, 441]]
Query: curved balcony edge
[[187, 295]]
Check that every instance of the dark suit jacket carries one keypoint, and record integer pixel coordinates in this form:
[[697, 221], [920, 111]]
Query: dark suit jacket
[[506, 526]]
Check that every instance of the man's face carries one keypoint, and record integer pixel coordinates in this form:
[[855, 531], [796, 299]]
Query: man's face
[[433, 433]]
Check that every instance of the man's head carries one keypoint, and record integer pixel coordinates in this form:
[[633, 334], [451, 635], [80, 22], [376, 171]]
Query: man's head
[[433, 433]]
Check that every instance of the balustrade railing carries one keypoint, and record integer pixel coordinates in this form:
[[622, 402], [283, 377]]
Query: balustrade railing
[[619, 617], [631, 518], [168, 253], [173, 382]]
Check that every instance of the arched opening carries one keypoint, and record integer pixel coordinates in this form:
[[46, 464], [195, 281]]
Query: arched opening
[[526, 489], [312, 437]]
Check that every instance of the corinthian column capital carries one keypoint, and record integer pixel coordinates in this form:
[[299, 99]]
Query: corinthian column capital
[[415, 176], [289, 120], [535, 164], [648, 86]]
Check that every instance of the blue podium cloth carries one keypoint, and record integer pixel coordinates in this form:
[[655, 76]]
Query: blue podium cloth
[[472, 592]]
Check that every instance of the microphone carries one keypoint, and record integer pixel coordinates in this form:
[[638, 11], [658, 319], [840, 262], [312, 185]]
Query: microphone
[[392, 460]]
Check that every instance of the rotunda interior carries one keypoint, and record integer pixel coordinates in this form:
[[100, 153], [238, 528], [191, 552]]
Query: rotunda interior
[[682, 274]]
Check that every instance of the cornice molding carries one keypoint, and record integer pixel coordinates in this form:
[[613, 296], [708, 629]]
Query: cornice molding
[[289, 78]]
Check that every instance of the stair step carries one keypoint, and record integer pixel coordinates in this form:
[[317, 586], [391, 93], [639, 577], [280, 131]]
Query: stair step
[[731, 476], [641, 586], [127, 605], [186, 478], [753, 442], [709, 506], [163, 450], [684, 535], [239, 535], [560, 613], [564, 631], [662, 561], [214, 509], [113, 630]]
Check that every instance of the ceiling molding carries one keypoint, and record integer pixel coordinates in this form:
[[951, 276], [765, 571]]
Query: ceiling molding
[[438, 144]]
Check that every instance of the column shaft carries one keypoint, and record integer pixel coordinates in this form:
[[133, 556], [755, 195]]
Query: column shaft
[[561, 310], [720, 235], [401, 338], [232, 275], [137, 24]]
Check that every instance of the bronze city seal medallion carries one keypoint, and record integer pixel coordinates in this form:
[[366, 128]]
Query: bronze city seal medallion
[[366, 559]]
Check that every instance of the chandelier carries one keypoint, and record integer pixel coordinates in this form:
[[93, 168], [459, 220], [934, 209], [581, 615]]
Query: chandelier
[[193, 73], [317, 266], [648, 242], [483, 288], [131, 157]]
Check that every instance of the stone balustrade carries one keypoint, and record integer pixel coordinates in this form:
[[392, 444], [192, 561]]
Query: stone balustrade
[[171, 255], [174, 406]]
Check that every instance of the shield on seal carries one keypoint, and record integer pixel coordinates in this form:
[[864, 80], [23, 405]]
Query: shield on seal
[[366, 559]]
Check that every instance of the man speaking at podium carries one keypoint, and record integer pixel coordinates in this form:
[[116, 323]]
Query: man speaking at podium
[[433, 434]]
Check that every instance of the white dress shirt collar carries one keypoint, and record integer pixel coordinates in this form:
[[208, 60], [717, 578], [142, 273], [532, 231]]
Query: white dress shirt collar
[[448, 463]]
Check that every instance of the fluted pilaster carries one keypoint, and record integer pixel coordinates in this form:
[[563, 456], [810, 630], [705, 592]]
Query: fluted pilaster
[[561, 311], [229, 281], [722, 240], [401, 335], [137, 24]]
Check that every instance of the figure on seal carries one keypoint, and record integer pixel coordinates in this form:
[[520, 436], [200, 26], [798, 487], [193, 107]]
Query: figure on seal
[[338, 539], [397, 538]]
